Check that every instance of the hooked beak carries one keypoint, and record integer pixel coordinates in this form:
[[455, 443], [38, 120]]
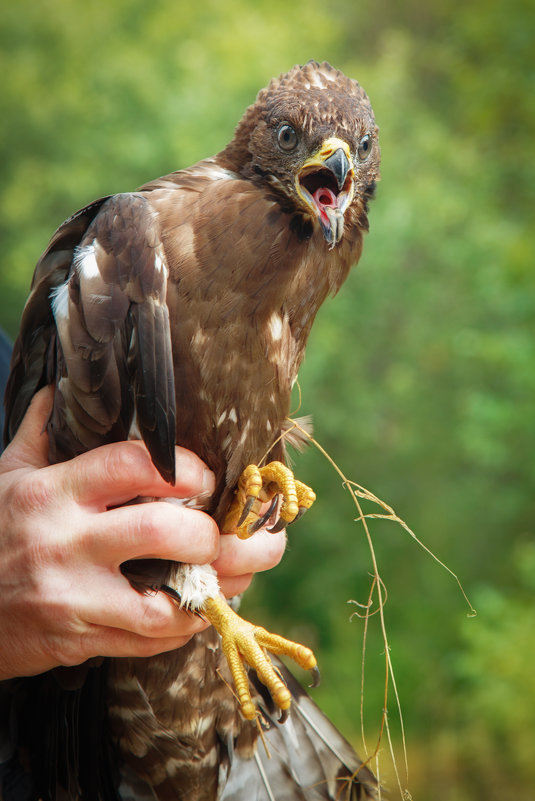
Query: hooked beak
[[325, 184]]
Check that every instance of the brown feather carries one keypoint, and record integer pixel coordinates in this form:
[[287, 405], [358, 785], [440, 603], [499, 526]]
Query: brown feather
[[184, 309]]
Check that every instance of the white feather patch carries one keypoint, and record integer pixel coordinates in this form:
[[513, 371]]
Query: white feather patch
[[59, 298], [200, 338], [133, 431], [195, 584], [160, 263], [220, 173], [275, 326], [85, 261]]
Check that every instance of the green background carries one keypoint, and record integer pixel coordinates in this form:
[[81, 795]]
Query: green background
[[420, 374]]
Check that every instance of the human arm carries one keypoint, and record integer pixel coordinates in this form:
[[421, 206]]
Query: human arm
[[63, 598]]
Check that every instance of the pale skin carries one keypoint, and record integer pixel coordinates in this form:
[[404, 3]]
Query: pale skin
[[63, 598]]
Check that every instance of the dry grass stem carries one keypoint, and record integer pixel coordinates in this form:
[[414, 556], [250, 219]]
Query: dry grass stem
[[377, 589]]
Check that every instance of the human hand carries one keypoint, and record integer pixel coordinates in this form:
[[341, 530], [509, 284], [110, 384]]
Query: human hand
[[63, 598]]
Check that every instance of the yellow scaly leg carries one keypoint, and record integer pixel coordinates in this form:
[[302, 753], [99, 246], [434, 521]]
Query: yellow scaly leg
[[244, 643]]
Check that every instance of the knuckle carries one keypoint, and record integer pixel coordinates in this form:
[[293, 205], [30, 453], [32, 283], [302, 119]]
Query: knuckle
[[156, 620], [168, 529], [69, 644], [208, 537], [125, 460], [153, 524], [31, 493], [146, 527], [81, 649]]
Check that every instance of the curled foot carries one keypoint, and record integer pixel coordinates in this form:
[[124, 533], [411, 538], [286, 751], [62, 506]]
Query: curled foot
[[258, 485], [244, 643]]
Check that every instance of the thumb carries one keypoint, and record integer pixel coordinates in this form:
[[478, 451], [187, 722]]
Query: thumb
[[29, 447]]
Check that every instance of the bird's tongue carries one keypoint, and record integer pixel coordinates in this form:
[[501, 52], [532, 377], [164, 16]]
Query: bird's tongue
[[324, 197]]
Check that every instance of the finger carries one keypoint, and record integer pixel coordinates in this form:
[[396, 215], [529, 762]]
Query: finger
[[113, 474], [152, 615], [29, 447], [262, 551], [235, 585], [134, 646], [155, 530], [118, 643]]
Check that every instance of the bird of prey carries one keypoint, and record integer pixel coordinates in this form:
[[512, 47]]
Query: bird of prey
[[179, 313]]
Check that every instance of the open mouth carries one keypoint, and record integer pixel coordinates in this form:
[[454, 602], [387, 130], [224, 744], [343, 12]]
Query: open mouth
[[320, 189]]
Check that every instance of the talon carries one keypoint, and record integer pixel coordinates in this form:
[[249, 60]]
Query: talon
[[257, 484], [254, 527], [283, 717], [246, 509], [301, 512], [315, 677], [279, 525]]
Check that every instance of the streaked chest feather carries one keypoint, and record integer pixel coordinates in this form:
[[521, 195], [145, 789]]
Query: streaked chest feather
[[242, 374]]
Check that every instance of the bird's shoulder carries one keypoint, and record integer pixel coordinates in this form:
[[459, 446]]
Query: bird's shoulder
[[211, 218], [207, 191], [197, 178]]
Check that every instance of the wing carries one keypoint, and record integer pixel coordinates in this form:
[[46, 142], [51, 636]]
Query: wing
[[32, 361], [309, 760], [96, 324]]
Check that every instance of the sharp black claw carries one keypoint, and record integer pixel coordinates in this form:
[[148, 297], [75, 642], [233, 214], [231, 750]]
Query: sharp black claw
[[316, 677], [279, 525], [265, 517], [246, 509], [300, 513], [253, 528], [283, 717]]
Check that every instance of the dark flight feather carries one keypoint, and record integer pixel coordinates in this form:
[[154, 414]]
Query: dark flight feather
[[303, 759]]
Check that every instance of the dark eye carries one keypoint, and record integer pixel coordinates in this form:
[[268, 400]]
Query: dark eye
[[365, 146], [286, 137]]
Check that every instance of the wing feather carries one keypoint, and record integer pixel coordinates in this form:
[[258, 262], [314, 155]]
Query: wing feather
[[33, 359], [154, 384], [309, 760], [97, 324]]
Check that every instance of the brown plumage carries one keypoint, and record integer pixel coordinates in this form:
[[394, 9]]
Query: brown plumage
[[180, 313]]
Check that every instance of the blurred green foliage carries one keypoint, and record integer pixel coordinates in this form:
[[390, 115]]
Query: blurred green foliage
[[419, 375]]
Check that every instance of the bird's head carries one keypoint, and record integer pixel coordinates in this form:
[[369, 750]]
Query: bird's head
[[311, 136]]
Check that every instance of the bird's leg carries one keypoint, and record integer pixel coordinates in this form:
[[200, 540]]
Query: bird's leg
[[243, 642], [257, 485], [196, 588]]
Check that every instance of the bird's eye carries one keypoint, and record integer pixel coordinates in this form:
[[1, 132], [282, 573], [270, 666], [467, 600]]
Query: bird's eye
[[365, 146], [286, 137]]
